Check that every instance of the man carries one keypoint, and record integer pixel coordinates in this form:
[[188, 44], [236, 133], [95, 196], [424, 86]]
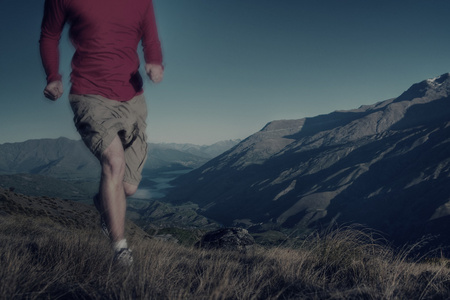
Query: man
[[106, 92]]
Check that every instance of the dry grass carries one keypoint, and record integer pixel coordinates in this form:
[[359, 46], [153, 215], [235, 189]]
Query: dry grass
[[43, 260]]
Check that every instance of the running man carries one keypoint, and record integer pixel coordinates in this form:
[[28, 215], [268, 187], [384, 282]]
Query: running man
[[106, 93]]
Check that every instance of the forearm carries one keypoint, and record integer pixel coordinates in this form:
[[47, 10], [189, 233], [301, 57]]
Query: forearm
[[150, 39], [51, 28], [153, 53], [49, 50]]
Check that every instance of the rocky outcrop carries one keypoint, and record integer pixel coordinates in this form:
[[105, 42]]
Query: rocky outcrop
[[235, 239]]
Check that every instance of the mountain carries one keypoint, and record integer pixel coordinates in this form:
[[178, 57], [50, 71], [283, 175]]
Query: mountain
[[184, 156], [210, 151], [385, 165], [61, 158], [68, 159], [164, 158]]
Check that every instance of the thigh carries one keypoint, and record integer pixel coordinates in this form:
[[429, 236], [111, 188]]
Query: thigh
[[95, 121], [136, 152], [99, 121], [114, 155]]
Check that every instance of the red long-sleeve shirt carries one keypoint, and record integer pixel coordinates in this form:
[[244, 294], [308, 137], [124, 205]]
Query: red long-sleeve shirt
[[106, 34]]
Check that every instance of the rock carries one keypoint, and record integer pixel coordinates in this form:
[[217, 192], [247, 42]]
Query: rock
[[227, 239]]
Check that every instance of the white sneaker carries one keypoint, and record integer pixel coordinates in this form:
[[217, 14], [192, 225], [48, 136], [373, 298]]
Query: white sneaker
[[123, 257]]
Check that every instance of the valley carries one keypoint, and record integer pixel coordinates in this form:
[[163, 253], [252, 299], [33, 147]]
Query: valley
[[384, 166]]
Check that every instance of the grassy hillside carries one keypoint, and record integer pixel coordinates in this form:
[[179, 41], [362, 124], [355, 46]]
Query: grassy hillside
[[49, 256]]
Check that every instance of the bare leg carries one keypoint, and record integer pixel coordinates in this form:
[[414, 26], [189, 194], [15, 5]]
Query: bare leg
[[112, 191]]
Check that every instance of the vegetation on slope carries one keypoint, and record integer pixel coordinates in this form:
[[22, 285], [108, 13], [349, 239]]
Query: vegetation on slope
[[43, 259]]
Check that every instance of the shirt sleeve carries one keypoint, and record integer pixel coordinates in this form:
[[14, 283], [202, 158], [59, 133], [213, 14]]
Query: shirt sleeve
[[150, 39], [51, 29]]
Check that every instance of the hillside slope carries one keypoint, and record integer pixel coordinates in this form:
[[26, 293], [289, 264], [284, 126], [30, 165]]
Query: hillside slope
[[385, 165], [66, 213], [56, 256]]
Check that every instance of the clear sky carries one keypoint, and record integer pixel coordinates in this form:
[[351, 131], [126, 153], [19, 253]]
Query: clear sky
[[234, 65]]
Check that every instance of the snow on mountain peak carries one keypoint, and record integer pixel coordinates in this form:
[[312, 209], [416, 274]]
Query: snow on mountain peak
[[436, 81]]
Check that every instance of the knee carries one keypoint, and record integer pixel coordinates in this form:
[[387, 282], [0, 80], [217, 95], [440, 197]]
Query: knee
[[113, 160], [113, 166]]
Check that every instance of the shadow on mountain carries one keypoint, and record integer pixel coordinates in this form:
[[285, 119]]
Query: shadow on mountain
[[315, 125], [434, 112], [400, 194]]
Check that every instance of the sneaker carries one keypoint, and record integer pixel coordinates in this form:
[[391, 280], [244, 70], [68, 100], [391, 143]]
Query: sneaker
[[123, 257], [103, 225], [104, 228]]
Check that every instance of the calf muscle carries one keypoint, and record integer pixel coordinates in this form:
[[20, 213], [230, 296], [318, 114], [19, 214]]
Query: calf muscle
[[112, 189]]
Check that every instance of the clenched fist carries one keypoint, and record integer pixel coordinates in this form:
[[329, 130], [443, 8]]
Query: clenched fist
[[155, 72], [54, 90]]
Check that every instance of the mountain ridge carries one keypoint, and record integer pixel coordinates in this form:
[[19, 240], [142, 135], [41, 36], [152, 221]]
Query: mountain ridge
[[311, 172]]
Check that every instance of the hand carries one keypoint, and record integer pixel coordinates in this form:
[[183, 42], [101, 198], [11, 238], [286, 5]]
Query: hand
[[154, 72], [54, 90]]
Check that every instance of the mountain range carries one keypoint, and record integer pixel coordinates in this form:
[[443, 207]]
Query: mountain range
[[173, 156], [386, 166], [63, 158], [65, 169]]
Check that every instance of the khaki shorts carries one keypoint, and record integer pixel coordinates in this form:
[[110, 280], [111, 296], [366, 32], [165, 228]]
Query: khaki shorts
[[99, 120]]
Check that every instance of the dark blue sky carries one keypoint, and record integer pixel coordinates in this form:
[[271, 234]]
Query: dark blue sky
[[234, 65]]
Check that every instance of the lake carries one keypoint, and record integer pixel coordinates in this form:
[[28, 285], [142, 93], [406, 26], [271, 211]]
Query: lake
[[155, 185]]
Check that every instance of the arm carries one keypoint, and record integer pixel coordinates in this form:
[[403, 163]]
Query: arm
[[51, 28], [152, 46]]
